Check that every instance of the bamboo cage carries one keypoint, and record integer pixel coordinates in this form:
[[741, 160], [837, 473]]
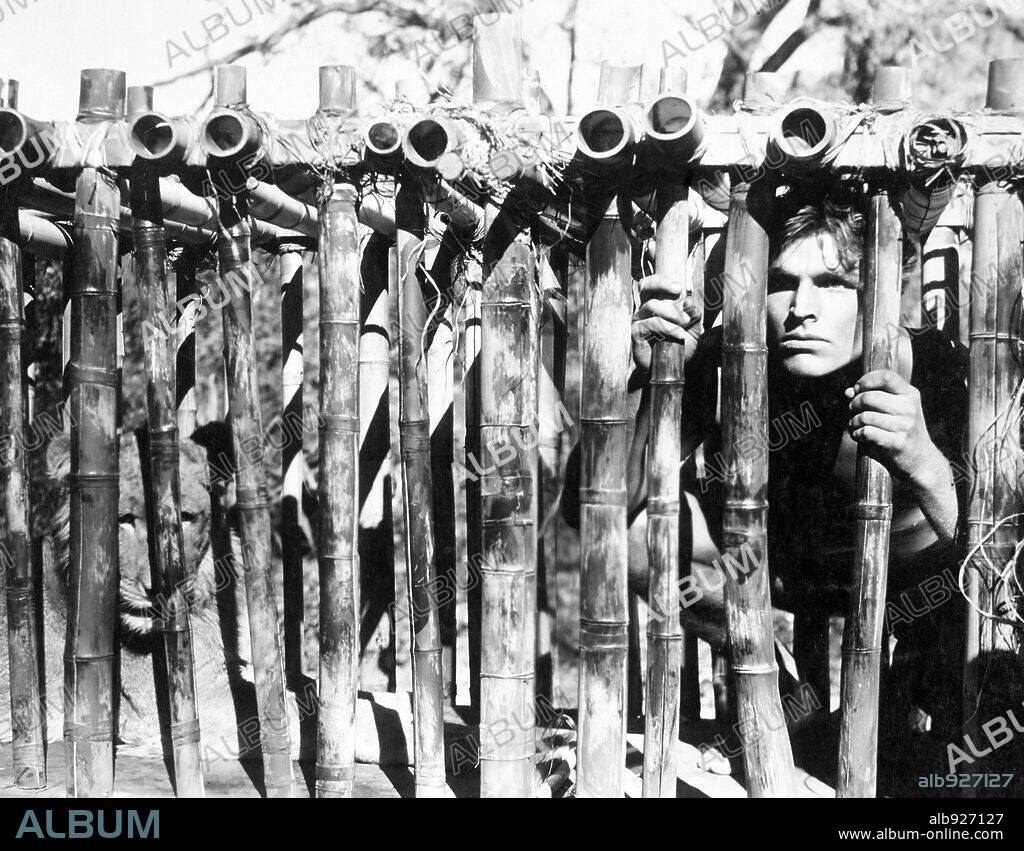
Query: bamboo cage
[[19, 568], [486, 323]]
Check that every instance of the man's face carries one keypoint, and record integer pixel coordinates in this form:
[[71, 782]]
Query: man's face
[[814, 321]]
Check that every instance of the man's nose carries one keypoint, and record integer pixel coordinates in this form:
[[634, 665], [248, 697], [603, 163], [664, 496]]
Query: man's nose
[[805, 299]]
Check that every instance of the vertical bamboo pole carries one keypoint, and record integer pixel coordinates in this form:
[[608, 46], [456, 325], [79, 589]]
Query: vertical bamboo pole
[[993, 416], [508, 410], [185, 362], [289, 257], [603, 536], [767, 755], [551, 403], [233, 247], [339, 490], [169, 547], [473, 447], [664, 634], [338, 485], [376, 529], [414, 425], [89, 654], [508, 364], [497, 84], [441, 399], [862, 636], [19, 568], [604, 550], [689, 675]]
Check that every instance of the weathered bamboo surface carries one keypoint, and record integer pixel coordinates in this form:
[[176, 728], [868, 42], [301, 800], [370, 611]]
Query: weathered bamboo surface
[[993, 434], [376, 528], [169, 546], [550, 407], [862, 635], [89, 683], [289, 258], [185, 363], [338, 492], [414, 433], [473, 449], [664, 450], [28, 748], [251, 497], [509, 361], [607, 311], [438, 342], [767, 755]]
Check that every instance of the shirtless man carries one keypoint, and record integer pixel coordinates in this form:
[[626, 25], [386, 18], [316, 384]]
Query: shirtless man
[[910, 420]]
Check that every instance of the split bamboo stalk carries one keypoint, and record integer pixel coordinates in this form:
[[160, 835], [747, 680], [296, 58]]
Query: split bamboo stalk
[[414, 432], [509, 353], [233, 250], [169, 546], [289, 258], [664, 452], [550, 402], [767, 756], [338, 491], [604, 613], [185, 364], [439, 339], [993, 416], [376, 527], [862, 635], [89, 655], [473, 448], [19, 568], [689, 674]]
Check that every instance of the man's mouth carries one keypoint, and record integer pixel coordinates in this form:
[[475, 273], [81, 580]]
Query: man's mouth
[[794, 344]]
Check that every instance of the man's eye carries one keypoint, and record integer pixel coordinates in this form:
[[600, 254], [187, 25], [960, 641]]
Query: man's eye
[[837, 282], [781, 283], [127, 518]]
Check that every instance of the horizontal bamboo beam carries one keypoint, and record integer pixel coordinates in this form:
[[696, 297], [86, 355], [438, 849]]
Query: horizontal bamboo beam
[[187, 217], [729, 141], [42, 237]]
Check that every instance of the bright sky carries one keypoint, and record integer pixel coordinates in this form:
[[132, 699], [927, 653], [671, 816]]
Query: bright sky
[[44, 44]]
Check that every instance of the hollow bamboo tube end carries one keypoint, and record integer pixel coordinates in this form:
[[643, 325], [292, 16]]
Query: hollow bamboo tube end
[[428, 140], [337, 89], [9, 94], [140, 99], [413, 90], [893, 86], [382, 138], [802, 133], [1005, 84], [620, 84], [101, 94], [229, 85], [672, 79], [497, 59], [675, 121], [154, 136], [605, 135]]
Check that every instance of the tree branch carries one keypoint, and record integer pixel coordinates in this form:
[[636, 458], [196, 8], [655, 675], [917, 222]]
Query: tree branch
[[303, 17]]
